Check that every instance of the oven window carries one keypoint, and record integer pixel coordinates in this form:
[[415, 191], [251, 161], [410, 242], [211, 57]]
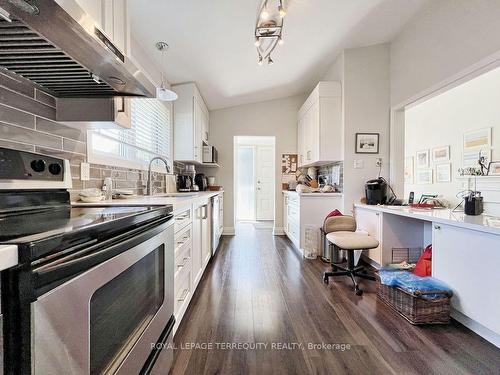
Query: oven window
[[122, 309]]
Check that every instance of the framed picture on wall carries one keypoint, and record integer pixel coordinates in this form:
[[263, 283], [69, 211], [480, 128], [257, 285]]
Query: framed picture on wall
[[423, 159], [409, 179], [424, 176], [494, 168], [441, 154], [480, 138], [443, 172], [470, 158], [367, 143]]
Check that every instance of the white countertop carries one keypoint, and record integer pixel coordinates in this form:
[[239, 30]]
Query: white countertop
[[155, 200], [483, 223], [317, 194]]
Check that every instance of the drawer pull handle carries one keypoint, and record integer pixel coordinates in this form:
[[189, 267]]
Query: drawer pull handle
[[183, 295], [183, 264]]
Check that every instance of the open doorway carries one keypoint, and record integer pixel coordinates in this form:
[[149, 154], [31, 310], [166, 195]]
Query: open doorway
[[254, 179]]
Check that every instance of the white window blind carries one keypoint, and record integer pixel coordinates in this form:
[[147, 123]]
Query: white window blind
[[149, 136]]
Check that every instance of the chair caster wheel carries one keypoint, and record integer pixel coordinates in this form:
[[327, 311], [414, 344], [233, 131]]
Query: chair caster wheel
[[359, 292], [325, 280]]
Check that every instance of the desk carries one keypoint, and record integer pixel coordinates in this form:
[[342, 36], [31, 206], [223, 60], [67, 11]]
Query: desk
[[466, 256]]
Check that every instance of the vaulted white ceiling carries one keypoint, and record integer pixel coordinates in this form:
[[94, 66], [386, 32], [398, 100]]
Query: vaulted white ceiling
[[211, 42]]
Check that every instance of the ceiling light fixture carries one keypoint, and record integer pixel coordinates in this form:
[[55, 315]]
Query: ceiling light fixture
[[281, 9], [162, 93], [264, 14], [269, 29]]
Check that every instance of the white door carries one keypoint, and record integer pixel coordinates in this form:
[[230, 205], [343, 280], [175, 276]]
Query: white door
[[264, 171]]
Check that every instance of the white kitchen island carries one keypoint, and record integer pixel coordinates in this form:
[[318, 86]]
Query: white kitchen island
[[465, 255]]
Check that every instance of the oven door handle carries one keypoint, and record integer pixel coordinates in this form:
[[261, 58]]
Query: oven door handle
[[48, 276]]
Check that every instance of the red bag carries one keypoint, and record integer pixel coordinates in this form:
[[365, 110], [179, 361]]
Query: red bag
[[424, 264], [334, 213]]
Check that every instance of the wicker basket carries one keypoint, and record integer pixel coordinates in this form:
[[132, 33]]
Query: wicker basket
[[414, 307]]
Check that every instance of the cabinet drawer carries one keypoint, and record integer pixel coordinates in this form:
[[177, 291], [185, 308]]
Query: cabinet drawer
[[183, 290], [293, 231], [293, 213], [182, 219], [293, 199], [182, 261], [182, 238]]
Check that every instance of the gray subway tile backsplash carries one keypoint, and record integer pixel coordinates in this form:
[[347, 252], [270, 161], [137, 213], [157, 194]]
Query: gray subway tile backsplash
[[19, 134], [22, 102], [45, 98], [16, 145], [13, 116], [16, 84], [74, 146], [55, 128], [27, 123]]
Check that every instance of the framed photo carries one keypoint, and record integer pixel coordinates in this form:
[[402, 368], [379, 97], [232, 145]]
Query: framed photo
[[480, 138], [441, 154], [424, 176], [443, 172], [409, 179], [423, 159], [494, 168], [367, 143], [470, 158]]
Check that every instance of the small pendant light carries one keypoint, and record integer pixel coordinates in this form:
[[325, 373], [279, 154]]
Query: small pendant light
[[162, 93]]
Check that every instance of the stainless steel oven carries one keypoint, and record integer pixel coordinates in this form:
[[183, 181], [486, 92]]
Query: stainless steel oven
[[110, 318]]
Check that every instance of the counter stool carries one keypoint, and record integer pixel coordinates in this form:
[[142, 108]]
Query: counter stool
[[349, 241]]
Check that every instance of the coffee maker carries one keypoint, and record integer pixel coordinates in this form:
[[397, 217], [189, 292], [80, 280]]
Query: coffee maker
[[376, 191], [184, 183]]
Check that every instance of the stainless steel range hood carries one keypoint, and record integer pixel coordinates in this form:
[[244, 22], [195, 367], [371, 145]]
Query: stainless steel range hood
[[65, 55]]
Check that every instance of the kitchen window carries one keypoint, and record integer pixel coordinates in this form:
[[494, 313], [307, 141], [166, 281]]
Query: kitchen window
[[149, 136]]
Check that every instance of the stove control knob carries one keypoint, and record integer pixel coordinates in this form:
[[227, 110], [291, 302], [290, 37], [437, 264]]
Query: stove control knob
[[38, 165], [55, 168]]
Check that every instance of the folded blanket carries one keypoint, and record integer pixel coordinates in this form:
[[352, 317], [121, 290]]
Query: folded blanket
[[413, 284]]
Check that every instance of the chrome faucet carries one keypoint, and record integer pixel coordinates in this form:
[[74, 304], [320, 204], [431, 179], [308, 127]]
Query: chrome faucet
[[150, 185]]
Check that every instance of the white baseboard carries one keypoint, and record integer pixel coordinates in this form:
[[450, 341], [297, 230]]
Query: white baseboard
[[476, 327], [278, 231], [228, 231]]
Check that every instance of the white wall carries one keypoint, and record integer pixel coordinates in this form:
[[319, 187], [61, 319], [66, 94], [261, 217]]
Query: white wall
[[442, 120], [271, 118], [447, 37], [364, 74]]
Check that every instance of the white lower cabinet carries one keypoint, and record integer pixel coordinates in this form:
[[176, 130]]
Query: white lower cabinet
[[193, 250], [303, 216], [460, 258]]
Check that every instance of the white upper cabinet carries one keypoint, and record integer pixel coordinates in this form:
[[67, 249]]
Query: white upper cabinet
[[191, 124], [111, 16], [320, 131]]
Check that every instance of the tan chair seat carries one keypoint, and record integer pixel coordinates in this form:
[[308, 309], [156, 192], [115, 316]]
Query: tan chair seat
[[352, 240]]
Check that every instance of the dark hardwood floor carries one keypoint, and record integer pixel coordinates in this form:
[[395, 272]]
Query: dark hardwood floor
[[258, 290]]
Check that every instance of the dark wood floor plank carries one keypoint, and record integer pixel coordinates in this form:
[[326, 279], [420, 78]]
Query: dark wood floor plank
[[259, 290]]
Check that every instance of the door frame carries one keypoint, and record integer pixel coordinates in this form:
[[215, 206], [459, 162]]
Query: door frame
[[236, 145]]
